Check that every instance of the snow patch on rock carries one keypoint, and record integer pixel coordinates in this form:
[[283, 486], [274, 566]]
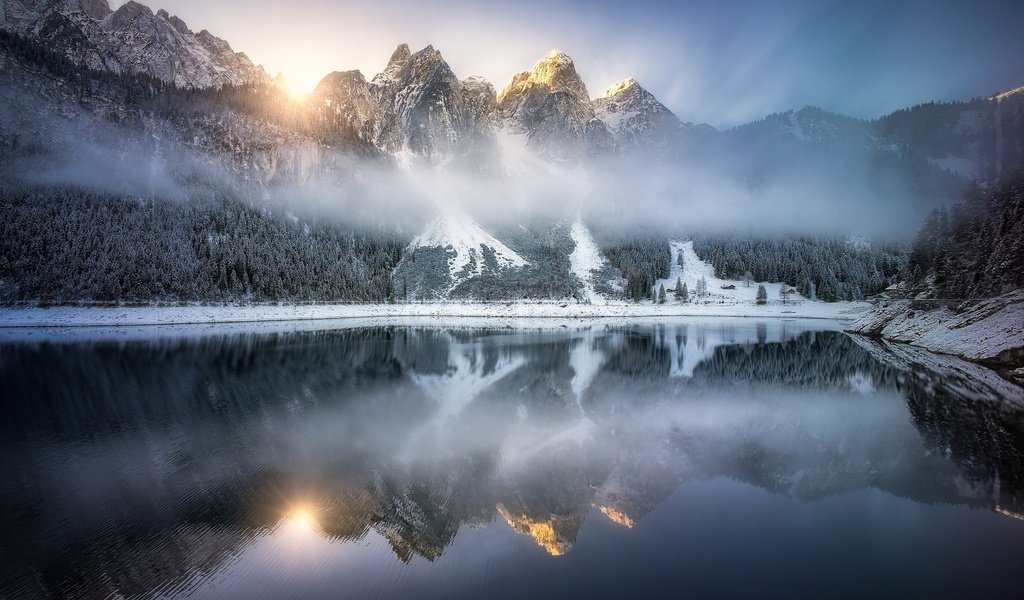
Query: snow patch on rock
[[467, 242]]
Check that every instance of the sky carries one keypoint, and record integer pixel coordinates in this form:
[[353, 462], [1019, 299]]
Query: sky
[[718, 62]]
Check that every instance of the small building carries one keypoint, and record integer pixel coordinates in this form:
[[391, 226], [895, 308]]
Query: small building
[[728, 286], [893, 291]]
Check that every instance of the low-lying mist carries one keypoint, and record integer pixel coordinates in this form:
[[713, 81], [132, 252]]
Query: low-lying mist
[[724, 187]]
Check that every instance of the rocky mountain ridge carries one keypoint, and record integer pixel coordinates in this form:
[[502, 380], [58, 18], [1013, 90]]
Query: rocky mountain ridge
[[132, 39], [417, 107]]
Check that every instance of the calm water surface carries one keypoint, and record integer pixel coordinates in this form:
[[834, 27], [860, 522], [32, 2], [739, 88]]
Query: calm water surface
[[708, 458]]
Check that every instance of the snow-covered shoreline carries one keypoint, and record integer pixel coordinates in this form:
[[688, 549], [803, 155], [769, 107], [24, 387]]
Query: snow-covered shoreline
[[70, 316], [990, 331]]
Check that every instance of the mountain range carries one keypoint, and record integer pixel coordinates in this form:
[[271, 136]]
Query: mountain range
[[134, 102]]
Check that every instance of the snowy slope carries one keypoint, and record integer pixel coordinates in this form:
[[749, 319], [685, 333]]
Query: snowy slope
[[694, 268], [460, 235], [586, 258]]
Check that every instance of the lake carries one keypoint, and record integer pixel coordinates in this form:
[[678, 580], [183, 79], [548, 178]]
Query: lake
[[694, 458]]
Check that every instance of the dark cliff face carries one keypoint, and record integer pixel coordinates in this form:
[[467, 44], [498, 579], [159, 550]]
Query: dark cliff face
[[346, 100], [423, 106]]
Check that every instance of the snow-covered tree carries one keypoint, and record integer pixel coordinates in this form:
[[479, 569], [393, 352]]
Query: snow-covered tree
[[702, 287], [678, 291], [661, 294], [762, 295]]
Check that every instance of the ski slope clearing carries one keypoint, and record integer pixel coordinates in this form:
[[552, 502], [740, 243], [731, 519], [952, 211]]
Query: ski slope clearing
[[693, 268], [586, 258]]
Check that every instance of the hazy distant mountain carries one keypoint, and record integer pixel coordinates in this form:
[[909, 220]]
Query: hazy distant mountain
[[979, 139]]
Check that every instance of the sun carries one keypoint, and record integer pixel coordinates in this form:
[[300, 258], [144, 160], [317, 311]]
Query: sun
[[296, 90]]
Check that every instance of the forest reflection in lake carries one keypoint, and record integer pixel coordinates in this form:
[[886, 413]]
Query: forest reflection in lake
[[704, 457]]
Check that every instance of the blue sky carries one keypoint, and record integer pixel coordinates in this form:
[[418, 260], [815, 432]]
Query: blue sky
[[721, 62]]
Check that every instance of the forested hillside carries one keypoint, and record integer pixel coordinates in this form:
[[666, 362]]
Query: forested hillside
[[826, 268], [974, 249], [69, 245], [641, 260]]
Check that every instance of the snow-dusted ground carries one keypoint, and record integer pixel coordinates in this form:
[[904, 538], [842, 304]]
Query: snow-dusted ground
[[694, 268], [586, 257], [989, 330], [498, 313]]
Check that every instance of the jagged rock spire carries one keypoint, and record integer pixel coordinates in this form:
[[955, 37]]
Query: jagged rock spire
[[399, 58], [556, 72]]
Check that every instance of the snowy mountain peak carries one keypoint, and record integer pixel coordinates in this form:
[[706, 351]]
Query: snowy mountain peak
[[638, 121], [551, 105], [620, 87], [423, 106], [558, 72], [342, 79], [347, 95], [399, 58]]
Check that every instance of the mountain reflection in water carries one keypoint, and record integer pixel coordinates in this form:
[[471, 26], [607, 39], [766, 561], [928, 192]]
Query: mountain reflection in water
[[154, 468]]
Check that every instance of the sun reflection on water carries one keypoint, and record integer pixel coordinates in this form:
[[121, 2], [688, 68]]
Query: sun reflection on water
[[302, 519]]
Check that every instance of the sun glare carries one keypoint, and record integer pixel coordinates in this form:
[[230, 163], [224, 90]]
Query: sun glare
[[299, 83], [298, 92], [304, 517]]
